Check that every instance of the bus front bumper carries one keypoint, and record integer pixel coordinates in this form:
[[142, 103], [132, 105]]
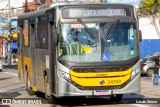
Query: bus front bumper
[[67, 89]]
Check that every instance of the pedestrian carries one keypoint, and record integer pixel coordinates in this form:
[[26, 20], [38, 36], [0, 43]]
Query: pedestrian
[[13, 57], [156, 72], [6, 58]]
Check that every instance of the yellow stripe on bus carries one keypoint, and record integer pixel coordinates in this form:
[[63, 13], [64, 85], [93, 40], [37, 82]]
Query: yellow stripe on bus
[[27, 62], [19, 65], [101, 74], [111, 81]]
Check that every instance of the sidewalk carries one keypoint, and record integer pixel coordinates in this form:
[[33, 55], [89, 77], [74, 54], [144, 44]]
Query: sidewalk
[[6, 66], [12, 66], [148, 89]]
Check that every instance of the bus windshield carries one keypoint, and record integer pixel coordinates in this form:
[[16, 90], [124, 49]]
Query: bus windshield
[[77, 45]]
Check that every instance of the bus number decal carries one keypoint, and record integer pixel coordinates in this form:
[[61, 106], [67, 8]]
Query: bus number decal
[[114, 82]]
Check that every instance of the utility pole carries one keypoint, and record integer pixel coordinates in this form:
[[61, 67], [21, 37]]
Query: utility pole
[[9, 37], [26, 6]]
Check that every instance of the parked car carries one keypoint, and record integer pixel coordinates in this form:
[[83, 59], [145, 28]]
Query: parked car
[[147, 65], [142, 60], [154, 54]]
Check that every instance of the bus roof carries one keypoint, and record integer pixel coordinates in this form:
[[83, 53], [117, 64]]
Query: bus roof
[[42, 9], [54, 4]]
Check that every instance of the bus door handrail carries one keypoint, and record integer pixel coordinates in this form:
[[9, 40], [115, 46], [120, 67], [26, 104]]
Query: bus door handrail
[[77, 45]]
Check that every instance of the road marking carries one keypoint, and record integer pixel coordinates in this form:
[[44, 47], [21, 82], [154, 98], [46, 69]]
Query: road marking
[[139, 105], [11, 73]]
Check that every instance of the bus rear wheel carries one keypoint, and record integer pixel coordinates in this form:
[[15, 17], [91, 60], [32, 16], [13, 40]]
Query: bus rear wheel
[[50, 99], [117, 97], [28, 84]]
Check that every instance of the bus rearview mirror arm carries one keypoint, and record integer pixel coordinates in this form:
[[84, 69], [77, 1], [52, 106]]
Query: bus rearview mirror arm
[[140, 36], [56, 36]]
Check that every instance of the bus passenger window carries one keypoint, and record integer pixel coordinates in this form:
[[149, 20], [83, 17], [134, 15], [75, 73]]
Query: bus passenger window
[[42, 35], [25, 33]]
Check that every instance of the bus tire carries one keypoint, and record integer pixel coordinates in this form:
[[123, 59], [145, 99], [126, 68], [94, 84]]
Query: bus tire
[[28, 85], [117, 97], [50, 99]]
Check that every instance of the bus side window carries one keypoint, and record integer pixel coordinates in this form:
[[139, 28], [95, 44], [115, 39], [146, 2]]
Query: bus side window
[[42, 35], [52, 22], [131, 37], [26, 34], [20, 32]]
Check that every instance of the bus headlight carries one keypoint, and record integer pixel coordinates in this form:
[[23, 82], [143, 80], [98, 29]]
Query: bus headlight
[[65, 75], [135, 73]]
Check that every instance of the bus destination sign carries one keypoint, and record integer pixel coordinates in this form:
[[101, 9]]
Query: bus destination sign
[[93, 12]]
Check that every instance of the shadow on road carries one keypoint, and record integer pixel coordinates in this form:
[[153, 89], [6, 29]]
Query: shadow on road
[[10, 85], [17, 89], [4, 105], [70, 102], [5, 78], [9, 94], [83, 101]]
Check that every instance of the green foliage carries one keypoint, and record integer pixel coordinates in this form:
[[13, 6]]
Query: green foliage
[[149, 2], [149, 6], [158, 2]]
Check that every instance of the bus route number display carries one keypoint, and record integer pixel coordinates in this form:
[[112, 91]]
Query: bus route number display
[[85, 13]]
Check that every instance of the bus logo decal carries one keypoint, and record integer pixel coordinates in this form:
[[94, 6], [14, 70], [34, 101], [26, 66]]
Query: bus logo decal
[[102, 82]]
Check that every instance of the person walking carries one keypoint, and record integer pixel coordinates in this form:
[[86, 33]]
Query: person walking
[[156, 73], [6, 58]]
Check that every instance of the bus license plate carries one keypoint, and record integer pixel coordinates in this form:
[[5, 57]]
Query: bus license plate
[[102, 92]]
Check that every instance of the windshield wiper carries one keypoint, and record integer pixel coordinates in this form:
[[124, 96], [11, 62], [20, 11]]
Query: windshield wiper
[[111, 27], [86, 28]]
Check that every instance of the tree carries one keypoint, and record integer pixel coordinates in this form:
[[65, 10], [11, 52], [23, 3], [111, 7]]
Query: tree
[[150, 7]]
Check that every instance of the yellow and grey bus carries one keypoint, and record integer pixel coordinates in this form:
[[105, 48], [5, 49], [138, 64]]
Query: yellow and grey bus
[[80, 49]]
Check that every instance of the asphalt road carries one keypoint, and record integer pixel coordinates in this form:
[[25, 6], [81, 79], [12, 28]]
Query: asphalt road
[[10, 87]]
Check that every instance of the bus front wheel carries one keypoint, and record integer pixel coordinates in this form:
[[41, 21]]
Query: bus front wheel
[[117, 97], [50, 99]]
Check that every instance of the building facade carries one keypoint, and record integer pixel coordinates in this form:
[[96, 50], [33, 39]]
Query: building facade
[[150, 35]]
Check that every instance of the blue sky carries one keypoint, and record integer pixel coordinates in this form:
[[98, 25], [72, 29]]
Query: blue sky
[[13, 3], [125, 1], [134, 2]]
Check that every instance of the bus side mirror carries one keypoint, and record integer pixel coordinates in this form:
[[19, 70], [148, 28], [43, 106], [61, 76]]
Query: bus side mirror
[[140, 35], [51, 18]]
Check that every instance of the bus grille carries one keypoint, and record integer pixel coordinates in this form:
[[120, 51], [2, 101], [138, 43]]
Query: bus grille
[[100, 69], [101, 87]]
